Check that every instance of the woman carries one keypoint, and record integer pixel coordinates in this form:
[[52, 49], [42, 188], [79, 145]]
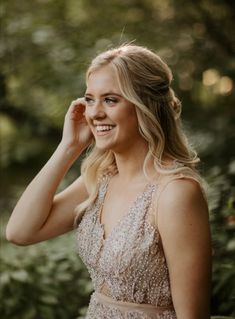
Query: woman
[[138, 206]]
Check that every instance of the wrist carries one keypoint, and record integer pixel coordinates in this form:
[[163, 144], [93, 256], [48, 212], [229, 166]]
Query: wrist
[[70, 151]]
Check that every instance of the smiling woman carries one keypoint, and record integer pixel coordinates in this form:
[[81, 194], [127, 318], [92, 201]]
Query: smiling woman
[[138, 207], [111, 117]]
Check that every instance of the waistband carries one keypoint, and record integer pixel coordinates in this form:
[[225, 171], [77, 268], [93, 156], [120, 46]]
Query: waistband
[[123, 305]]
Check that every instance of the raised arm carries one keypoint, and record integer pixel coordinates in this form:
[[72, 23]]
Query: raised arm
[[39, 213], [184, 228]]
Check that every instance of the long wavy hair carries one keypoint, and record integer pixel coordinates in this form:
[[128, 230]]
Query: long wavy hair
[[145, 80]]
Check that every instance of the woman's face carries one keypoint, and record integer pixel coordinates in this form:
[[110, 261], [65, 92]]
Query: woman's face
[[111, 118]]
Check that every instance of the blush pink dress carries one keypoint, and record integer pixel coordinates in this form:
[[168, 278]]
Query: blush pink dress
[[128, 269]]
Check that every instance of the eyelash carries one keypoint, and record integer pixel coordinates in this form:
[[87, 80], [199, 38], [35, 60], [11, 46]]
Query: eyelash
[[110, 99], [87, 99], [107, 100]]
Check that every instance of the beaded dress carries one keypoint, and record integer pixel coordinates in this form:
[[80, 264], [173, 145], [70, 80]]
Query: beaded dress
[[128, 268]]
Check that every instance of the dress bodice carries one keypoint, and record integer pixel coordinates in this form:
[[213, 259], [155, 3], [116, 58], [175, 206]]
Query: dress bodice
[[128, 269], [129, 265]]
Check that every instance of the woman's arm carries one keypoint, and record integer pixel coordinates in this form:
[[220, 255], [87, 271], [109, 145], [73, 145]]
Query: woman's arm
[[39, 213], [184, 227]]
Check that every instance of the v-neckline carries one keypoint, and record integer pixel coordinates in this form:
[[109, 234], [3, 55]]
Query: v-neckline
[[132, 205]]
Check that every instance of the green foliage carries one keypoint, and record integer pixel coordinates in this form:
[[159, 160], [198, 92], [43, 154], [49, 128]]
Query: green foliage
[[44, 57], [45, 281], [45, 48], [222, 207]]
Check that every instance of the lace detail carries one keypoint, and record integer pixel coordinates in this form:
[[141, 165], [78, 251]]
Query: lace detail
[[129, 264]]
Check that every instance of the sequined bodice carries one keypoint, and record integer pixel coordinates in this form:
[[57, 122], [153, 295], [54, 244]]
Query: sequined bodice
[[129, 265]]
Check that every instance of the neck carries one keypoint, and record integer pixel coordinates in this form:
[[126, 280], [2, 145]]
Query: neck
[[130, 163]]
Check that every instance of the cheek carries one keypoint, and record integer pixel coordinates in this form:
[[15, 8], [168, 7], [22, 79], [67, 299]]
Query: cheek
[[130, 120]]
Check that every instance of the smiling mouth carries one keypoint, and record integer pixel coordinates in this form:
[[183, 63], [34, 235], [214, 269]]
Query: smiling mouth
[[104, 128]]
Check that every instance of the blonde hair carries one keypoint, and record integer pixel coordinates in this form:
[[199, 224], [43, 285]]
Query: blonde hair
[[144, 79]]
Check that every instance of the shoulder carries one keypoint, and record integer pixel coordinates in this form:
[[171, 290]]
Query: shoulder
[[182, 206], [180, 190], [185, 184]]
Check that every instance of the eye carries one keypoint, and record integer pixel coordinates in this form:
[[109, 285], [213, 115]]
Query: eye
[[88, 100], [110, 100]]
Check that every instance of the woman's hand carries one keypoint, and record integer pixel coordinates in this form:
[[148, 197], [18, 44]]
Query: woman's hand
[[76, 132]]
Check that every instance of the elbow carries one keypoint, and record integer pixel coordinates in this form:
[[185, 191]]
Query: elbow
[[15, 238]]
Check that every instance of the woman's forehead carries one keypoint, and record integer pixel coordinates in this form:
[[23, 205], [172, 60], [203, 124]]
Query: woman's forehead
[[104, 79]]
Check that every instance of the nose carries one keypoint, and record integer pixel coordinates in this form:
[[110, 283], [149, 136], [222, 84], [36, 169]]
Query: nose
[[96, 111]]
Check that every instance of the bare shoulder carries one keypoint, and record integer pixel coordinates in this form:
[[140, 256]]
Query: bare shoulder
[[181, 196], [182, 207], [183, 218]]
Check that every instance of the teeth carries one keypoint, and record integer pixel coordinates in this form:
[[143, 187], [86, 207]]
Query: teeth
[[102, 128]]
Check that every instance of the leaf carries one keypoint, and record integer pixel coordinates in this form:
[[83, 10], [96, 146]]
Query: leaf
[[4, 278], [49, 299], [20, 275]]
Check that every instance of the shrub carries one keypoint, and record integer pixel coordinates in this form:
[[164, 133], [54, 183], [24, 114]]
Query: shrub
[[222, 207], [45, 281]]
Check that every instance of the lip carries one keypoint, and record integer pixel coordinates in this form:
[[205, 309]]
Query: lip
[[103, 124], [103, 133]]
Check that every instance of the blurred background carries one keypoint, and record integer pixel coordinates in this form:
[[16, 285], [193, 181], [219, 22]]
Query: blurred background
[[45, 48]]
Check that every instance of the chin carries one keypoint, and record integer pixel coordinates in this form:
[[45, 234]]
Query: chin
[[105, 147]]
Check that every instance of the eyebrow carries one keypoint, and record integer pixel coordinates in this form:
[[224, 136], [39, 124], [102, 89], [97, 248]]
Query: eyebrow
[[105, 94]]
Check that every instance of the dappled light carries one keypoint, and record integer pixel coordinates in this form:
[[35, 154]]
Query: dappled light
[[45, 49]]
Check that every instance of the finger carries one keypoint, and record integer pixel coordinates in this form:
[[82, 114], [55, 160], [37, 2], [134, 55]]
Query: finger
[[77, 105], [78, 109], [80, 100]]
